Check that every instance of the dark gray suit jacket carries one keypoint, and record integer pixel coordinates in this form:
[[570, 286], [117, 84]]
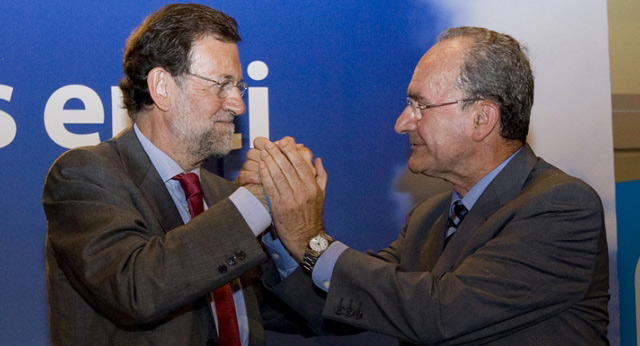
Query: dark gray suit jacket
[[527, 266], [122, 268]]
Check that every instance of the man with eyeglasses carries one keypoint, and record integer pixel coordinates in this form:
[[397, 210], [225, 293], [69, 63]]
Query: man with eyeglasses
[[516, 254], [143, 247]]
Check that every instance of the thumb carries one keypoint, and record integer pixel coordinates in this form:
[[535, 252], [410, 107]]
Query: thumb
[[321, 174]]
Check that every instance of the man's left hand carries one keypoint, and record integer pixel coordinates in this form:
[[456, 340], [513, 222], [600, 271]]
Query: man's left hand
[[296, 191]]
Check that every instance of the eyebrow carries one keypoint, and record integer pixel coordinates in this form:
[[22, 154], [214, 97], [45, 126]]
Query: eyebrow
[[228, 77], [223, 79], [231, 78], [419, 98]]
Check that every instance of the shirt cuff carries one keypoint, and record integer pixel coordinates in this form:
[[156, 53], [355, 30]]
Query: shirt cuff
[[323, 269], [281, 258], [251, 209]]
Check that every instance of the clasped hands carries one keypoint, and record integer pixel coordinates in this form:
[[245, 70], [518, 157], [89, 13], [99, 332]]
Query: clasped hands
[[295, 185]]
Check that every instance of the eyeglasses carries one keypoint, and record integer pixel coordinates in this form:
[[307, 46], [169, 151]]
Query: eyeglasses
[[224, 88], [417, 108]]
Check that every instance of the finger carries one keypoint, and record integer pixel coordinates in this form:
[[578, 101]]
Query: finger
[[321, 177], [279, 169], [253, 154], [302, 168], [286, 139], [251, 166], [260, 142], [267, 182], [307, 154], [287, 170], [246, 177]]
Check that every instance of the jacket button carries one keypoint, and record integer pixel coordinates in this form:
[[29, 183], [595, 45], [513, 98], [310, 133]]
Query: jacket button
[[241, 255], [348, 312], [232, 261], [358, 315], [338, 310], [222, 269]]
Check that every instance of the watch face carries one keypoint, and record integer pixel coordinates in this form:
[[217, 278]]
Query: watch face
[[318, 244]]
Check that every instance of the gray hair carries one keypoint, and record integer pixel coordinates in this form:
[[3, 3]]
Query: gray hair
[[497, 68]]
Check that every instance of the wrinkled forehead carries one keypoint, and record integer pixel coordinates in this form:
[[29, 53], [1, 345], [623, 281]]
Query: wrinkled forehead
[[216, 58], [435, 75]]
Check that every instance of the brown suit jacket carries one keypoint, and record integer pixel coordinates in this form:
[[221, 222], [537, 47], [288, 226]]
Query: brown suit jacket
[[122, 268]]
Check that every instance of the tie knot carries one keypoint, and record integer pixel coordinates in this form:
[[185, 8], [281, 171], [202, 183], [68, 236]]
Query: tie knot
[[190, 183], [193, 192], [457, 214]]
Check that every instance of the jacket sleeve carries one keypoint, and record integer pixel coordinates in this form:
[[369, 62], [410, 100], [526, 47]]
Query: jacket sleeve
[[112, 242], [531, 260]]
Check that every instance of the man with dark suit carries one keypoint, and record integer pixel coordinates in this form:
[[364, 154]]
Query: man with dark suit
[[516, 254], [131, 259]]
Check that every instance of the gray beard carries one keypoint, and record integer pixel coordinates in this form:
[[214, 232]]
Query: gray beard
[[197, 146], [209, 144]]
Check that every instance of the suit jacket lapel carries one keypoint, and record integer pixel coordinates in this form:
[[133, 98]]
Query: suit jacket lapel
[[138, 166], [502, 189], [432, 249], [511, 180], [214, 191]]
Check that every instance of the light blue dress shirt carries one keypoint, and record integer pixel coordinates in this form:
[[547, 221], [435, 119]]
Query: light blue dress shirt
[[249, 206], [476, 191]]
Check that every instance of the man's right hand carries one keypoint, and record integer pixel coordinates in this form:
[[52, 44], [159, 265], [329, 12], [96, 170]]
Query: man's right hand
[[296, 190]]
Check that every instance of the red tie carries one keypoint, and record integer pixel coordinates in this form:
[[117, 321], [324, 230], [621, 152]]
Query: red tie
[[222, 296]]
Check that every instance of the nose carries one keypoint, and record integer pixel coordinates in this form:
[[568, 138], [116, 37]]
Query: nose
[[234, 102], [406, 121]]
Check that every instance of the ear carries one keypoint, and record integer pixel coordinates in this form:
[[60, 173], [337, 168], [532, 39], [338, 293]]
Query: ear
[[486, 120], [160, 83]]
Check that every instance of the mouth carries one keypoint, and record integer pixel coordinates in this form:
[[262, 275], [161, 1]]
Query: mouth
[[417, 146], [225, 125], [224, 120], [223, 117]]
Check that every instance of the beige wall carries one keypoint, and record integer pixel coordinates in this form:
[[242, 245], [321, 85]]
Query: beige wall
[[624, 45], [624, 51]]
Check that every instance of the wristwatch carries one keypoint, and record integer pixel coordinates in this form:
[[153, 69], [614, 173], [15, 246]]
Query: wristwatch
[[317, 245]]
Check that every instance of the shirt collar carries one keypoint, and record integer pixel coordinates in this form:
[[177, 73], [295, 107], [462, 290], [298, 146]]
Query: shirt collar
[[476, 191], [165, 165]]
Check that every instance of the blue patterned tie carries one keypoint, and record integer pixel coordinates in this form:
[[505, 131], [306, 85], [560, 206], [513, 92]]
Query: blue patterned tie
[[457, 214]]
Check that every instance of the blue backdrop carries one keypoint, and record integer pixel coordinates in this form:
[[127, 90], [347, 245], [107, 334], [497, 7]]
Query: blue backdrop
[[337, 80]]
